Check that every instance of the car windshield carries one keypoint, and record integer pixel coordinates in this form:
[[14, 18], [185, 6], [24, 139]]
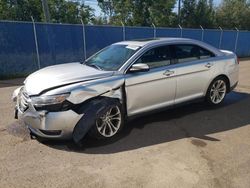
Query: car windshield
[[112, 57]]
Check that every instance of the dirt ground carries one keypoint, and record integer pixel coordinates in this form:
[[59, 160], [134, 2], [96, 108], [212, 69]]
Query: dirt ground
[[190, 146]]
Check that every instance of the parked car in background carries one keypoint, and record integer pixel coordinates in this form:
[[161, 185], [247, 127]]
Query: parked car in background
[[120, 81]]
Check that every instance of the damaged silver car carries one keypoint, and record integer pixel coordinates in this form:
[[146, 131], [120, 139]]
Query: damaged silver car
[[123, 80]]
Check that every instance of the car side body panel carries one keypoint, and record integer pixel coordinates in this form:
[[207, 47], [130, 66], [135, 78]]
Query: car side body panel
[[146, 91], [192, 79]]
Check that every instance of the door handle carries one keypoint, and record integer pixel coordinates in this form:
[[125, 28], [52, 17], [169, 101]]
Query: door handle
[[168, 73], [208, 65]]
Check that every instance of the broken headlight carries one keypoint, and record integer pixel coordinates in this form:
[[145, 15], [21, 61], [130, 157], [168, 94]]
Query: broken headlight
[[51, 102]]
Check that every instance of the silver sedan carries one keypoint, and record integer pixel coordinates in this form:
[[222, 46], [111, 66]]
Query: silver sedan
[[123, 80]]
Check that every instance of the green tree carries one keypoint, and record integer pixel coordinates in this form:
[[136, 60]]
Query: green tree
[[99, 20], [20, 10], [122, 12], [63, 11], [138, 12], [107, 6], [162, 13], [70, 12], [234, 13], [188, 13], [205, 14], [195, 13]]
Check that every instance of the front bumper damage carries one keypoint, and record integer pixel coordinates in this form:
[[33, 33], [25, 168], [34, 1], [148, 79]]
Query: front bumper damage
[[74, 122], [57, 125]]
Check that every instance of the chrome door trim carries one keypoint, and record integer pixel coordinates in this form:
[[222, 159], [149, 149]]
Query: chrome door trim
[[168, 73], [209, 65]]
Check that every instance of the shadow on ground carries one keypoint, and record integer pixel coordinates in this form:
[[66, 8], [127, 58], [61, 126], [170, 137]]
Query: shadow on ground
[[193, 120], [10, 83]]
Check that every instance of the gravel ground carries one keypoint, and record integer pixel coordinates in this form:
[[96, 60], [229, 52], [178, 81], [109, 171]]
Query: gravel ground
[[189, 146]]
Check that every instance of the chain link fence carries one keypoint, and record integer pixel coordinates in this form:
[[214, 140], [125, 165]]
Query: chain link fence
[[29, 46]]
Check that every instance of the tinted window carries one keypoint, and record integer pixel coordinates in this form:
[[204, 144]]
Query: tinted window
[[187, 53], [156, 57], [204, 54]]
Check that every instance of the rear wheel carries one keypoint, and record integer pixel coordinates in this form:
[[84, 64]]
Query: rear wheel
[[217, 91]]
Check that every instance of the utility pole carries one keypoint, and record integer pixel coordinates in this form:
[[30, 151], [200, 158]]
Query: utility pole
[[179, 12], [46, 10]]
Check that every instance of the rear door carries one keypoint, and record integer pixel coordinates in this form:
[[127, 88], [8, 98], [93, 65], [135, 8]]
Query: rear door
[[193, 68]]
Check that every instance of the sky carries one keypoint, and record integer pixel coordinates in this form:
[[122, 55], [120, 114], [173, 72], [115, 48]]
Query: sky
[[94, 4]]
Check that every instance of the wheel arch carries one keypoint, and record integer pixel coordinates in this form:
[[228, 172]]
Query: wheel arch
[[221, 76], [90, 109]]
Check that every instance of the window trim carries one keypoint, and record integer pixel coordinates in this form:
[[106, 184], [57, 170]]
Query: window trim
[[176, 60], [145, 51]]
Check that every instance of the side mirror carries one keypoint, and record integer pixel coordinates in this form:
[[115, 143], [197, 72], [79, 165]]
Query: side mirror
[[139, 67]]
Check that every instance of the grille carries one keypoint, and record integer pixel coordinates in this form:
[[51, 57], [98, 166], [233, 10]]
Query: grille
[[23, 100]]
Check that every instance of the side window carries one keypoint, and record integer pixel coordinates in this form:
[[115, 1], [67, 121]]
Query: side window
[[204, 54], [188, 52], [156, 57]]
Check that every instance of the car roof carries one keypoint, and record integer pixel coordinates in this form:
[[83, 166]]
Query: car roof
[[148, 41], [169, 40]]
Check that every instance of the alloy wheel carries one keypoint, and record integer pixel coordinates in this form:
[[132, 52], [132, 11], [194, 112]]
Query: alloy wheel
[[218, 91], [108, 124]]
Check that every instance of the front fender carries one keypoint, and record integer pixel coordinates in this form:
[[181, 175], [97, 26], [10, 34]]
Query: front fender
[[111, 89]]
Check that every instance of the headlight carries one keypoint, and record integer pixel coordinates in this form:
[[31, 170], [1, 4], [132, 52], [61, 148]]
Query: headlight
[[51, 102]]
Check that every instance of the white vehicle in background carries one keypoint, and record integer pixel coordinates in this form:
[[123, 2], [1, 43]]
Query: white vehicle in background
[[123, 80]]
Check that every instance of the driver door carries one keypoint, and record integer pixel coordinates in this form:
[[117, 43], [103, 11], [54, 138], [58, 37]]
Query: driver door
[[155, 88]]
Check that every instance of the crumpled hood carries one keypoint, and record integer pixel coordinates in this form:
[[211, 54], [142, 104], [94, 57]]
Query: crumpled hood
[[57, 75]]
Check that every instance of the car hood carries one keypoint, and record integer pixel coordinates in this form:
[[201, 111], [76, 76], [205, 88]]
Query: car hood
[[58, 75]]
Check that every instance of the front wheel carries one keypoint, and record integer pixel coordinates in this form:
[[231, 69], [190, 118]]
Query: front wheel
[[217, 91], [109, 123]]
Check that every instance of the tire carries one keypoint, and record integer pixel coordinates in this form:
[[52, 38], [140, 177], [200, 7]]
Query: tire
[[109, 123], [217, 91]]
